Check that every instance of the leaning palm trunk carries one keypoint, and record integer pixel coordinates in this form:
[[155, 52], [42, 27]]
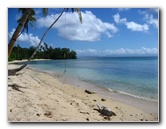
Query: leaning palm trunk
[[41, 41], [17, 31], [80, 17]]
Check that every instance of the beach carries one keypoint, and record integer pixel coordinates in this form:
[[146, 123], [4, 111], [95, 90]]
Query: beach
[[42, 97]]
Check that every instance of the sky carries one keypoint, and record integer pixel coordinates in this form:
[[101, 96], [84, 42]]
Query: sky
[[103, 32]]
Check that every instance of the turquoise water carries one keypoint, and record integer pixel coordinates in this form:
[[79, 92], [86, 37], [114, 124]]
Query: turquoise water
[[136, 76]]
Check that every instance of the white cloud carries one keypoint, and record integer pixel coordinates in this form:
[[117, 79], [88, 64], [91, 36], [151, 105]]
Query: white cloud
[[121, 51], [130, 25], [118, 20], [123, 9], [28, 38], [155, 9], [87, 52], [69, 26], [151, 20], [137, 27]]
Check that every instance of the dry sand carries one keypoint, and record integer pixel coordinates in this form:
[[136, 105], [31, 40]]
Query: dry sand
[[43, 98]]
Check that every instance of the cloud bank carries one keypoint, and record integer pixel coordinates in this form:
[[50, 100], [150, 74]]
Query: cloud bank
[[133, 26], [121, 51], [69, 26], [28, 38]]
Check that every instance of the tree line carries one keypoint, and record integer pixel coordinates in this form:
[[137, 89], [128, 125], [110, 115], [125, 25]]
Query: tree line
[[44, 52]]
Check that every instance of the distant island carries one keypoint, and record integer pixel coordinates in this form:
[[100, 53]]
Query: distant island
[[44, 52]]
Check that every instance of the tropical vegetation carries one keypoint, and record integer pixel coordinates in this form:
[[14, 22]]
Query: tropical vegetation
[[44, 52]]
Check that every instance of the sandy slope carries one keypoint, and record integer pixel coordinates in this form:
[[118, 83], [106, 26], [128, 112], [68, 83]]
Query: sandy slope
[[45, 99]]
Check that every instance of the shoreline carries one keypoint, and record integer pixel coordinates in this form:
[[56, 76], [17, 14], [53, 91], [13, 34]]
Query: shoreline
[[146, 105], [68, 78], [133, 112], [24, 60]]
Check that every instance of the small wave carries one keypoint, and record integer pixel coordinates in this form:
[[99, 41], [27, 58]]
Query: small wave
[[121, 92]]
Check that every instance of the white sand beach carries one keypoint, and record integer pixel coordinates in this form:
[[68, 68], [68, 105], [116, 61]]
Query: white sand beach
[[41, 97]]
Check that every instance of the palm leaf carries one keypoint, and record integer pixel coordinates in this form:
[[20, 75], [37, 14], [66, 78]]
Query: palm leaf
[[78, 11], [79, 14], [72, 9], [31, 24], [30, 20], [45, 11]]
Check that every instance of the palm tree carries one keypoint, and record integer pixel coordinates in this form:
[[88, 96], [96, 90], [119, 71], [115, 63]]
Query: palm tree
[[65, 9], [30, 20], [26, 18], [18, 30]]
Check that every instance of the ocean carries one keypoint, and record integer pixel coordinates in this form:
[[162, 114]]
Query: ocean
[[134, 76]]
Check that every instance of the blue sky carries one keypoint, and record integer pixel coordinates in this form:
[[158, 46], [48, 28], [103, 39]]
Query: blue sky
[[104, 31]]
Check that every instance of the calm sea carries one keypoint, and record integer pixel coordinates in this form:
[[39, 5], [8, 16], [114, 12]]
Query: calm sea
[[135, 76]]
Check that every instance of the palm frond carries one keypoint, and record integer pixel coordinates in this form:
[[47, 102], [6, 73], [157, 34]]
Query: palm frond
[[31, 24], [30, 20], [72, 9], [78, 11], [33, 12], [45, 11], [18, 21], [79, 14], [33, 19], [26, 26]]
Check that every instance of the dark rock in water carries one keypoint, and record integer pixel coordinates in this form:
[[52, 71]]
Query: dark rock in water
[[89, 92]]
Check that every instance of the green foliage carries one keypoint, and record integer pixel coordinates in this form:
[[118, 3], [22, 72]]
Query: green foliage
[[12, 57], [44, 52], [30, 20], [45, 11]]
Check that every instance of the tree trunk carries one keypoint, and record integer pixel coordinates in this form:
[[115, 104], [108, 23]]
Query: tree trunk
[[17, 31], [41, 40]]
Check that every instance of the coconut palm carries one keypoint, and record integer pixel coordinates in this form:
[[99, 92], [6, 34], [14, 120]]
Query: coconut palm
[[18, 30], [65, 9], [30, 20], [26, 18]]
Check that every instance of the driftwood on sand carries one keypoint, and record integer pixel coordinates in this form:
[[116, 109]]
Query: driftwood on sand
[[12, 72], [16, 87], [89, 92], [105, 111]]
